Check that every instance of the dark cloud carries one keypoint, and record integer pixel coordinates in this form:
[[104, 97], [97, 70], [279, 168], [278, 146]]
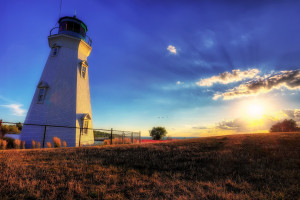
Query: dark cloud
[[288, 79], [236, 124]]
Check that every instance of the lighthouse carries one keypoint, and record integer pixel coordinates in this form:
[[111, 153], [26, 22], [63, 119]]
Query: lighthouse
[[61, 105]]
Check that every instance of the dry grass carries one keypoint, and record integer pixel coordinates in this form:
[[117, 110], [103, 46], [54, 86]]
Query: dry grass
[[33, 143], [56, 142], [120, 141], [3, 144], [49, 145], [17, 144], [260, 166]]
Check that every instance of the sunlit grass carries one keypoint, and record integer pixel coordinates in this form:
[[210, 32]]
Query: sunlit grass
[[257, 166]]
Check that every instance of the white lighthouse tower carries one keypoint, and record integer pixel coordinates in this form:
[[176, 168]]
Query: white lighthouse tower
[[61, 105]]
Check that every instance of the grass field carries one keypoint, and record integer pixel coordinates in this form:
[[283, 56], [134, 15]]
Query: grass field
[[257, 166]]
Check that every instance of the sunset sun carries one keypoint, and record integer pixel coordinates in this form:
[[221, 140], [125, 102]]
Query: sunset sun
[[255, 110]]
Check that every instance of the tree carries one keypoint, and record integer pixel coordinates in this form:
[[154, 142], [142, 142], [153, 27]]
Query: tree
[[19, 126], [287, 125], [157, 133]]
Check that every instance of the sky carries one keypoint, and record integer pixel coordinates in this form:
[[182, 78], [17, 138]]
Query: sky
[[198, 68]]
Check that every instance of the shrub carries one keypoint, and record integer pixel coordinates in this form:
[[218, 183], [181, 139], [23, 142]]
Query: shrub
[[49, 144], [38, 145], [56, 142], [64, 144], [23, 144], [17, 144], [157, 133], [33, 144]]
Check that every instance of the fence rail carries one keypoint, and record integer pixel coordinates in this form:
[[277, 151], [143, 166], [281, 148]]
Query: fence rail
[[107, 136]]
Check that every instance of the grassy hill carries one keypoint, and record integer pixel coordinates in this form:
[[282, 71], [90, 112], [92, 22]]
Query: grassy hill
[[258, 166]]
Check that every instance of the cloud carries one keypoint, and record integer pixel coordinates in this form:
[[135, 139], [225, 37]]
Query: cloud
[[16, 109], [227, 77], [293, 114], [288, 79], [179, 83], [172, 49], [200, 127], [236, 124]]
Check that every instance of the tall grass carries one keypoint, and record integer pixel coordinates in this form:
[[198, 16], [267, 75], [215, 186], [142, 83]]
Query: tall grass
[[264, 166], [3, 144], [119, 141], [33, 144], [56, 142], [17, 144], [49, 145], [64, 144]]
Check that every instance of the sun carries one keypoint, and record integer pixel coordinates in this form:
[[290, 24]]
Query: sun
[[255, 110]]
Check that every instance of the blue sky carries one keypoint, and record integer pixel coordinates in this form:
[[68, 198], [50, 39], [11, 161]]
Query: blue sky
[[196, 67]]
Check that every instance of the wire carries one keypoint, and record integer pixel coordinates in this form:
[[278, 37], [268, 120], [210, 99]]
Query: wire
[[60, 8]]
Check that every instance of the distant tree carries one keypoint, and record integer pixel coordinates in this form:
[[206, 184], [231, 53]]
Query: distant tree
[[9, 129], [19, 126], [287, 125], [157, 133]]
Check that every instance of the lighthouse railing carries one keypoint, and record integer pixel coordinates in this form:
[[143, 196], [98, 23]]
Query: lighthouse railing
[[54, 31]]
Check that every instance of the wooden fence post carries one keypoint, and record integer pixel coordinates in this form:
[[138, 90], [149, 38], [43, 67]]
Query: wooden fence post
[[44, 136], [140, 137], [111, 135]]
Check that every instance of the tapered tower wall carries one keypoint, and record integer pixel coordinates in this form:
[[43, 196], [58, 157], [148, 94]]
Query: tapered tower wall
[[67, 97]]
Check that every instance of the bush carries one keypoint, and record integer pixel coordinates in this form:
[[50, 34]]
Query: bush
[[38, 144], [17, 144], [33, 144], [157, 133], [23, 144], [56, 142]]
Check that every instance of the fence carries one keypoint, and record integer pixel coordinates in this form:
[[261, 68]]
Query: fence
[[116, 136], [106, 136]]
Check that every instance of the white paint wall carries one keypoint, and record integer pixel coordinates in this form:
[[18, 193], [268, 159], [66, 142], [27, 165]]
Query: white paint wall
[[67, 98]]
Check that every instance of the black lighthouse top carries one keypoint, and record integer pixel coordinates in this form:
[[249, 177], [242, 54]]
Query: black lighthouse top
[[72, 26]]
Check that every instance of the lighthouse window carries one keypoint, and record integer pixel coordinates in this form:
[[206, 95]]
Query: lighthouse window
[[41, 95], [83, 71], [54, 51], [85, 126]]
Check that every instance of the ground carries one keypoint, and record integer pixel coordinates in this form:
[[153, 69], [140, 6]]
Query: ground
[[254, 166]]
